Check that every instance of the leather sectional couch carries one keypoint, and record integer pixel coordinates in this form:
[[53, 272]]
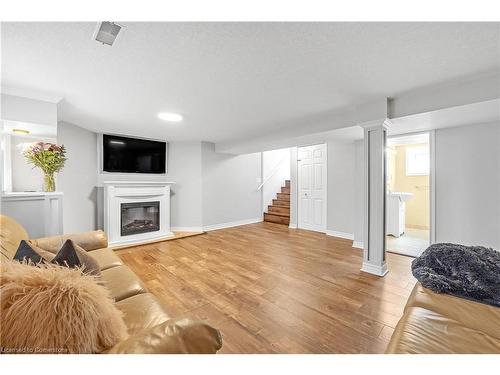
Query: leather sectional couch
[[150, 328], [435, 323]]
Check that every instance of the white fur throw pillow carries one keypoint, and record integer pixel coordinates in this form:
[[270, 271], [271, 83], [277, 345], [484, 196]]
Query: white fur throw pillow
[[54, 309]]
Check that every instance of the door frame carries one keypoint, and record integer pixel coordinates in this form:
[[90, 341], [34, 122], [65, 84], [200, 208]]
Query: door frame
[[432, 179], [294, 184]]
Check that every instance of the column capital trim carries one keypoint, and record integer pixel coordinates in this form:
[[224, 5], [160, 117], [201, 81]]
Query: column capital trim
[[380, 123]]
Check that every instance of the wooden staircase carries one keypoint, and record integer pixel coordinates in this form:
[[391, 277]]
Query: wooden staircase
[[279, 211]]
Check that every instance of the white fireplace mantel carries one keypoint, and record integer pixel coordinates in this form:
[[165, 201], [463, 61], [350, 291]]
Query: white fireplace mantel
[[118, 192]]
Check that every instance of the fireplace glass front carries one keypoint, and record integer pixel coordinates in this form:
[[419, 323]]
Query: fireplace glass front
[[140, 217]]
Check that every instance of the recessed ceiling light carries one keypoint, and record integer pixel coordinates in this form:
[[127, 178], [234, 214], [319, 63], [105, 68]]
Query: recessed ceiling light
[[169, 116], [20, 131]]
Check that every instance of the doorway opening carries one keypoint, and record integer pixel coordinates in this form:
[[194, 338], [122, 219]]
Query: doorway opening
[[275, 186], [408, 201]]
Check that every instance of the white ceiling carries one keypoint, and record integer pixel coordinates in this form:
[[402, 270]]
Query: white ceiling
[[235, 81]]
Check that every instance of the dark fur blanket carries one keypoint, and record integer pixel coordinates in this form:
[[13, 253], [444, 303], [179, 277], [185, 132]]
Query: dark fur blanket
[[471, 272]]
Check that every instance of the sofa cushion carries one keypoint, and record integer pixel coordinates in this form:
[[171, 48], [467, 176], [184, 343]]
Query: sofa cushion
[[105, 258], [87, 240], [11, 234], [464, 311], [182, 335], [441, 323], [422, 331], [141, 311], [122, 282]]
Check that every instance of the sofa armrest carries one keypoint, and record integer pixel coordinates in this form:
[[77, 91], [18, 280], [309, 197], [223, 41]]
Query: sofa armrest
[[175, 336], [87, 240]]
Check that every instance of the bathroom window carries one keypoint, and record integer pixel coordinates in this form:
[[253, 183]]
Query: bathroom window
[[417, 161]]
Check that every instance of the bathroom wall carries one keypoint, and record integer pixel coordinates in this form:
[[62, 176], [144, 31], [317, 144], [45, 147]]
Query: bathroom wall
[[417, 208]]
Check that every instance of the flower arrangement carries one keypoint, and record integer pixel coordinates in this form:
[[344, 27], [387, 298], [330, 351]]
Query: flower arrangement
[[49, 157]]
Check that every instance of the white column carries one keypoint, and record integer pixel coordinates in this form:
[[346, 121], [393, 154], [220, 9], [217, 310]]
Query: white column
[[375, 194]]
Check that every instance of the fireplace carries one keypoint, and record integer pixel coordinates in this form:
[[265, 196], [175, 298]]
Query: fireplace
[[140, 217], [136, 212]]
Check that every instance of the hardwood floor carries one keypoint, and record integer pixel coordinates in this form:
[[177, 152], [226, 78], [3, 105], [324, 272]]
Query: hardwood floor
[[271, 289]]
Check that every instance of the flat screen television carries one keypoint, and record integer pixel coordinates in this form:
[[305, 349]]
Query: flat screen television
[[133, 155]]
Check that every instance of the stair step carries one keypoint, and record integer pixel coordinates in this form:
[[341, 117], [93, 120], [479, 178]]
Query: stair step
[[279, 209], [283, 197], [276, 218], [281, 203], [284, 214], [285, 190], [287, 183]]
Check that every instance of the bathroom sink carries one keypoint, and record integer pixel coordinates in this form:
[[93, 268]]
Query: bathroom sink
[[396, 212], [403, 197]]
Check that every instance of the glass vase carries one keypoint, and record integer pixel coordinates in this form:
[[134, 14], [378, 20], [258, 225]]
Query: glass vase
[[49, 183]]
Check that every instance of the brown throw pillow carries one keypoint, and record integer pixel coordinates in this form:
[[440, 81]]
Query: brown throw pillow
[[71, 255], [54, 309], [30, 253]]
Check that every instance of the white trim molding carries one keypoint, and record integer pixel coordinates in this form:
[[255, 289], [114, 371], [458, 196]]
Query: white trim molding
[[379, 270], [432, 189], [344, 235], [358, 244], [231, 224], [187, 229], [375, 137]]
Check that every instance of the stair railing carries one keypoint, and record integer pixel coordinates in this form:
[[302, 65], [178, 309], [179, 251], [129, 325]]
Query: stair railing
[[273, 172]]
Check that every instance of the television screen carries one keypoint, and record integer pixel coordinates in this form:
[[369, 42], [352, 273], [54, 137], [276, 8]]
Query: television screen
[[132, 155]]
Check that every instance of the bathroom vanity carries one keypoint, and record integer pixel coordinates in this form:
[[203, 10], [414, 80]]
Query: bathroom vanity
[[395, 213]]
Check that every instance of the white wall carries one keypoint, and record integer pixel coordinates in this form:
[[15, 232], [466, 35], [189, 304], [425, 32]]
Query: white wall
[[468, 185], [184, 168], [359, 196], [16, 108], [275, 171], [229, 188], [341, 189], [78, 179]]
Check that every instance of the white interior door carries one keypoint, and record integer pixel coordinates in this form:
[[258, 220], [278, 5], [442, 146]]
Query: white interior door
[[312, 187]]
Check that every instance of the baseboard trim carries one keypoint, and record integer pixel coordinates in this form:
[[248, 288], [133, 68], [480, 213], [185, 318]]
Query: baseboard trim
[[358, 244], [344, 235], [186, 229], [374, 269], [232, 224], [292, 226]]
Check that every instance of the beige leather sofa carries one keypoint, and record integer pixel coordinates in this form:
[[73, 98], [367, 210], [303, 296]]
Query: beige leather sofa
[[150, 328], [439, 323]]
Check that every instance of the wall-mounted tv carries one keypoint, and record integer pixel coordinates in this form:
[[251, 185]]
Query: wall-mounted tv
[[133, 155]]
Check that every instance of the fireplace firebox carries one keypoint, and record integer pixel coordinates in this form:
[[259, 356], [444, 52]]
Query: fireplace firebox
[[140, 217]]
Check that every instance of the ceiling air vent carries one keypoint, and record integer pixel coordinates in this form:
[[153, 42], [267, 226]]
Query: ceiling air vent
[[107, 32]]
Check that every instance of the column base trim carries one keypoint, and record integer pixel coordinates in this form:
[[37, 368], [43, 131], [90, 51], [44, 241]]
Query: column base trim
[[358, 244], [374, 269]]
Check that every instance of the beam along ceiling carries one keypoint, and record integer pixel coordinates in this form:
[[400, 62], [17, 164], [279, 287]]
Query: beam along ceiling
[[233, 81]]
